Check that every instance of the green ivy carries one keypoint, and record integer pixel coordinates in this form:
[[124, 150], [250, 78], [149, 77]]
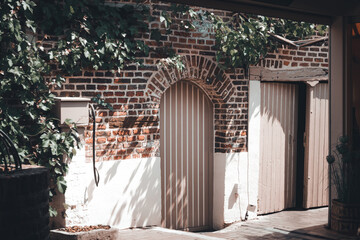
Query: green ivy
[[25, 98], [242, 40], [93, 34]]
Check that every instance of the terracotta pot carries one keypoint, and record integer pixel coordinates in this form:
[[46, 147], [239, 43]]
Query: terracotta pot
[[345, 218], [103, 234]]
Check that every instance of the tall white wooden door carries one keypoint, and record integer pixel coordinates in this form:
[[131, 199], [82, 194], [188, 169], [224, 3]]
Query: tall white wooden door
[[186, 147], [316, 146], [278, 147]]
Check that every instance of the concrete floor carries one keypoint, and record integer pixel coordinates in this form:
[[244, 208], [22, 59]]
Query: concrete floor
[[309, 224]]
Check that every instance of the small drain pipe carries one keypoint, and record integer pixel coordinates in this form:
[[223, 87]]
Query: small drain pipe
[[96, 172]]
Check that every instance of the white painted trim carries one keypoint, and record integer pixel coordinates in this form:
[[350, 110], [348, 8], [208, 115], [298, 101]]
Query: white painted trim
[[254, 128]]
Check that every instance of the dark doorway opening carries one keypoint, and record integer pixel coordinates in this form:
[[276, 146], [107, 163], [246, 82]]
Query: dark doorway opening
[[300, 145]]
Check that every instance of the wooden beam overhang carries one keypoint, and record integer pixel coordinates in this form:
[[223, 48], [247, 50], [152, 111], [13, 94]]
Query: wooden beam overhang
[[289, 75]]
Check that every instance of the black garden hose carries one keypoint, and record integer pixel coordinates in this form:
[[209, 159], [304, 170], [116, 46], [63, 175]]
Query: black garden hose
[[96, 172]]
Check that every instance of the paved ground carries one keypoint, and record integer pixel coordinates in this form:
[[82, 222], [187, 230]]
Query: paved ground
[[308, 224]]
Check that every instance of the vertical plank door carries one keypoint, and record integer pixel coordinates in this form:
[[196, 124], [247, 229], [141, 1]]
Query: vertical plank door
[[186, 145], [316, 146], [277, 176]]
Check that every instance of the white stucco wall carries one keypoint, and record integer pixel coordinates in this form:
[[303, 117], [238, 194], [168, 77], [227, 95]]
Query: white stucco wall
[[129, 192], [235, 192], [128, 195]]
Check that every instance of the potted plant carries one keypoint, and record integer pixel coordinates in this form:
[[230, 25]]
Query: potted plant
[[344, 164]]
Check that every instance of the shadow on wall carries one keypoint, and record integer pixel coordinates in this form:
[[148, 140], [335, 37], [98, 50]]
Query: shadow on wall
[[233, 196], [233, 199], [237, 173], [128, 194], [137, 136]]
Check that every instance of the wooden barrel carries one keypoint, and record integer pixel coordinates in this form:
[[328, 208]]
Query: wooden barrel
[[24, 204], [345, 218]]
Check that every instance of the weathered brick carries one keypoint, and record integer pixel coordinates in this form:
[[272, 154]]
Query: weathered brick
[[122, 100], [101, 87], [285, 57], [181, 45], [110, 100], [119, 94], [101, 140], [111, 139], [141, 138], [69, 94], [121, 80], [101, 80], [90, 87], [182, 34], [299, 53], [130, 94], [79, 80], [136, 91], [200, 47], [139, 80]]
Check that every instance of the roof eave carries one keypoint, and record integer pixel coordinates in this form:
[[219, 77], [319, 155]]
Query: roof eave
[[259, 9]]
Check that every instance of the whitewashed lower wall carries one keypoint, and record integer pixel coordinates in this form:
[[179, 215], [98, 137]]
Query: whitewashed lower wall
[[235, 192], [128, 195], [129, 192]]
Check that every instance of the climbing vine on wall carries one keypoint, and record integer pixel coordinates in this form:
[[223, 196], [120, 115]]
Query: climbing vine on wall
[[92, 34], [242, 40], [25, 98]]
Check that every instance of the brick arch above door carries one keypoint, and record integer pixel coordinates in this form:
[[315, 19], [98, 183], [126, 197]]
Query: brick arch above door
[[200, 70], [228, 95]]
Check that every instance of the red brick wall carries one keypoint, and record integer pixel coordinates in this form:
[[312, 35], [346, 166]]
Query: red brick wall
[[291, 56], [132, 129]]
